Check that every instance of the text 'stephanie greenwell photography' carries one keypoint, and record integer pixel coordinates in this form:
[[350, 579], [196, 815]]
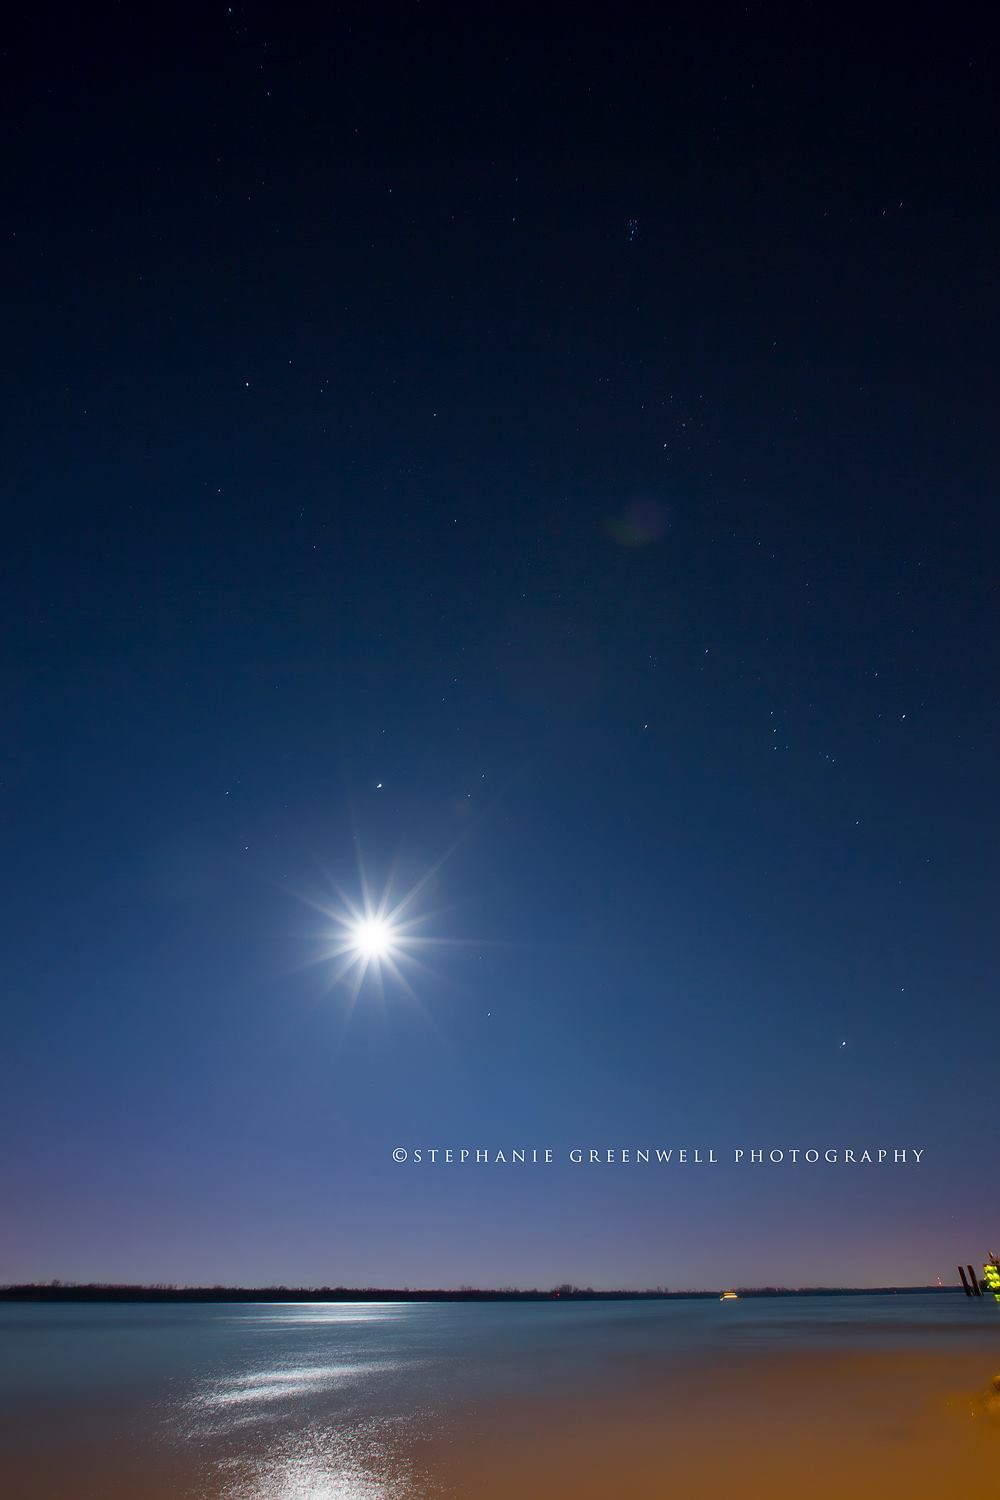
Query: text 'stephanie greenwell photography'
[[498, 800]]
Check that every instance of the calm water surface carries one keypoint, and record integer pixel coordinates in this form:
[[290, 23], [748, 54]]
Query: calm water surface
[[312, 1401]]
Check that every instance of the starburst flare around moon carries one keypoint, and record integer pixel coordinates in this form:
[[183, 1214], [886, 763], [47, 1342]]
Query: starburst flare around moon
[[372, 941]]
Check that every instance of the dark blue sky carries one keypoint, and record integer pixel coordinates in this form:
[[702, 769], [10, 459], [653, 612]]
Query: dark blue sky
[[565, 446]]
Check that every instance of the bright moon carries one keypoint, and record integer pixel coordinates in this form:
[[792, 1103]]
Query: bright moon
[[372, 937]]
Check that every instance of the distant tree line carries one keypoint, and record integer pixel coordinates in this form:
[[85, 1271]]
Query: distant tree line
[[60, 1291]]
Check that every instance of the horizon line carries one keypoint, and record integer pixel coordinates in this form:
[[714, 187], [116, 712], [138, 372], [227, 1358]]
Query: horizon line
[[57, 1290]]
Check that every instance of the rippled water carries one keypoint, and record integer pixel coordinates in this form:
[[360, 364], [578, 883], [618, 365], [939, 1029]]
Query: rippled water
[[344, 1401]]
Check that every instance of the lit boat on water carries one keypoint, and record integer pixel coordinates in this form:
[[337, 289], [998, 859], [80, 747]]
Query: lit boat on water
[[729, 1297]]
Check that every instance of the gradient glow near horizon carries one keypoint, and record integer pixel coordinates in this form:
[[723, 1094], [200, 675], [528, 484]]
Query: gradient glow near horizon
[[570, 566]]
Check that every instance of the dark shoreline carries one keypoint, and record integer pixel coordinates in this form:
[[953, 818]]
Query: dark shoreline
[[96, 1292]]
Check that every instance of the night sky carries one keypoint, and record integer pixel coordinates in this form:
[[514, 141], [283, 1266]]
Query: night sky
[[545, 459]]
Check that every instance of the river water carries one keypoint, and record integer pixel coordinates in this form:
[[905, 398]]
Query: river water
[[830, 1396]]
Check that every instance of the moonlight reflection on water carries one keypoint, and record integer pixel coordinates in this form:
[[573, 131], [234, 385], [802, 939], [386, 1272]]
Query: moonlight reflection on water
[[313, 1427]]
